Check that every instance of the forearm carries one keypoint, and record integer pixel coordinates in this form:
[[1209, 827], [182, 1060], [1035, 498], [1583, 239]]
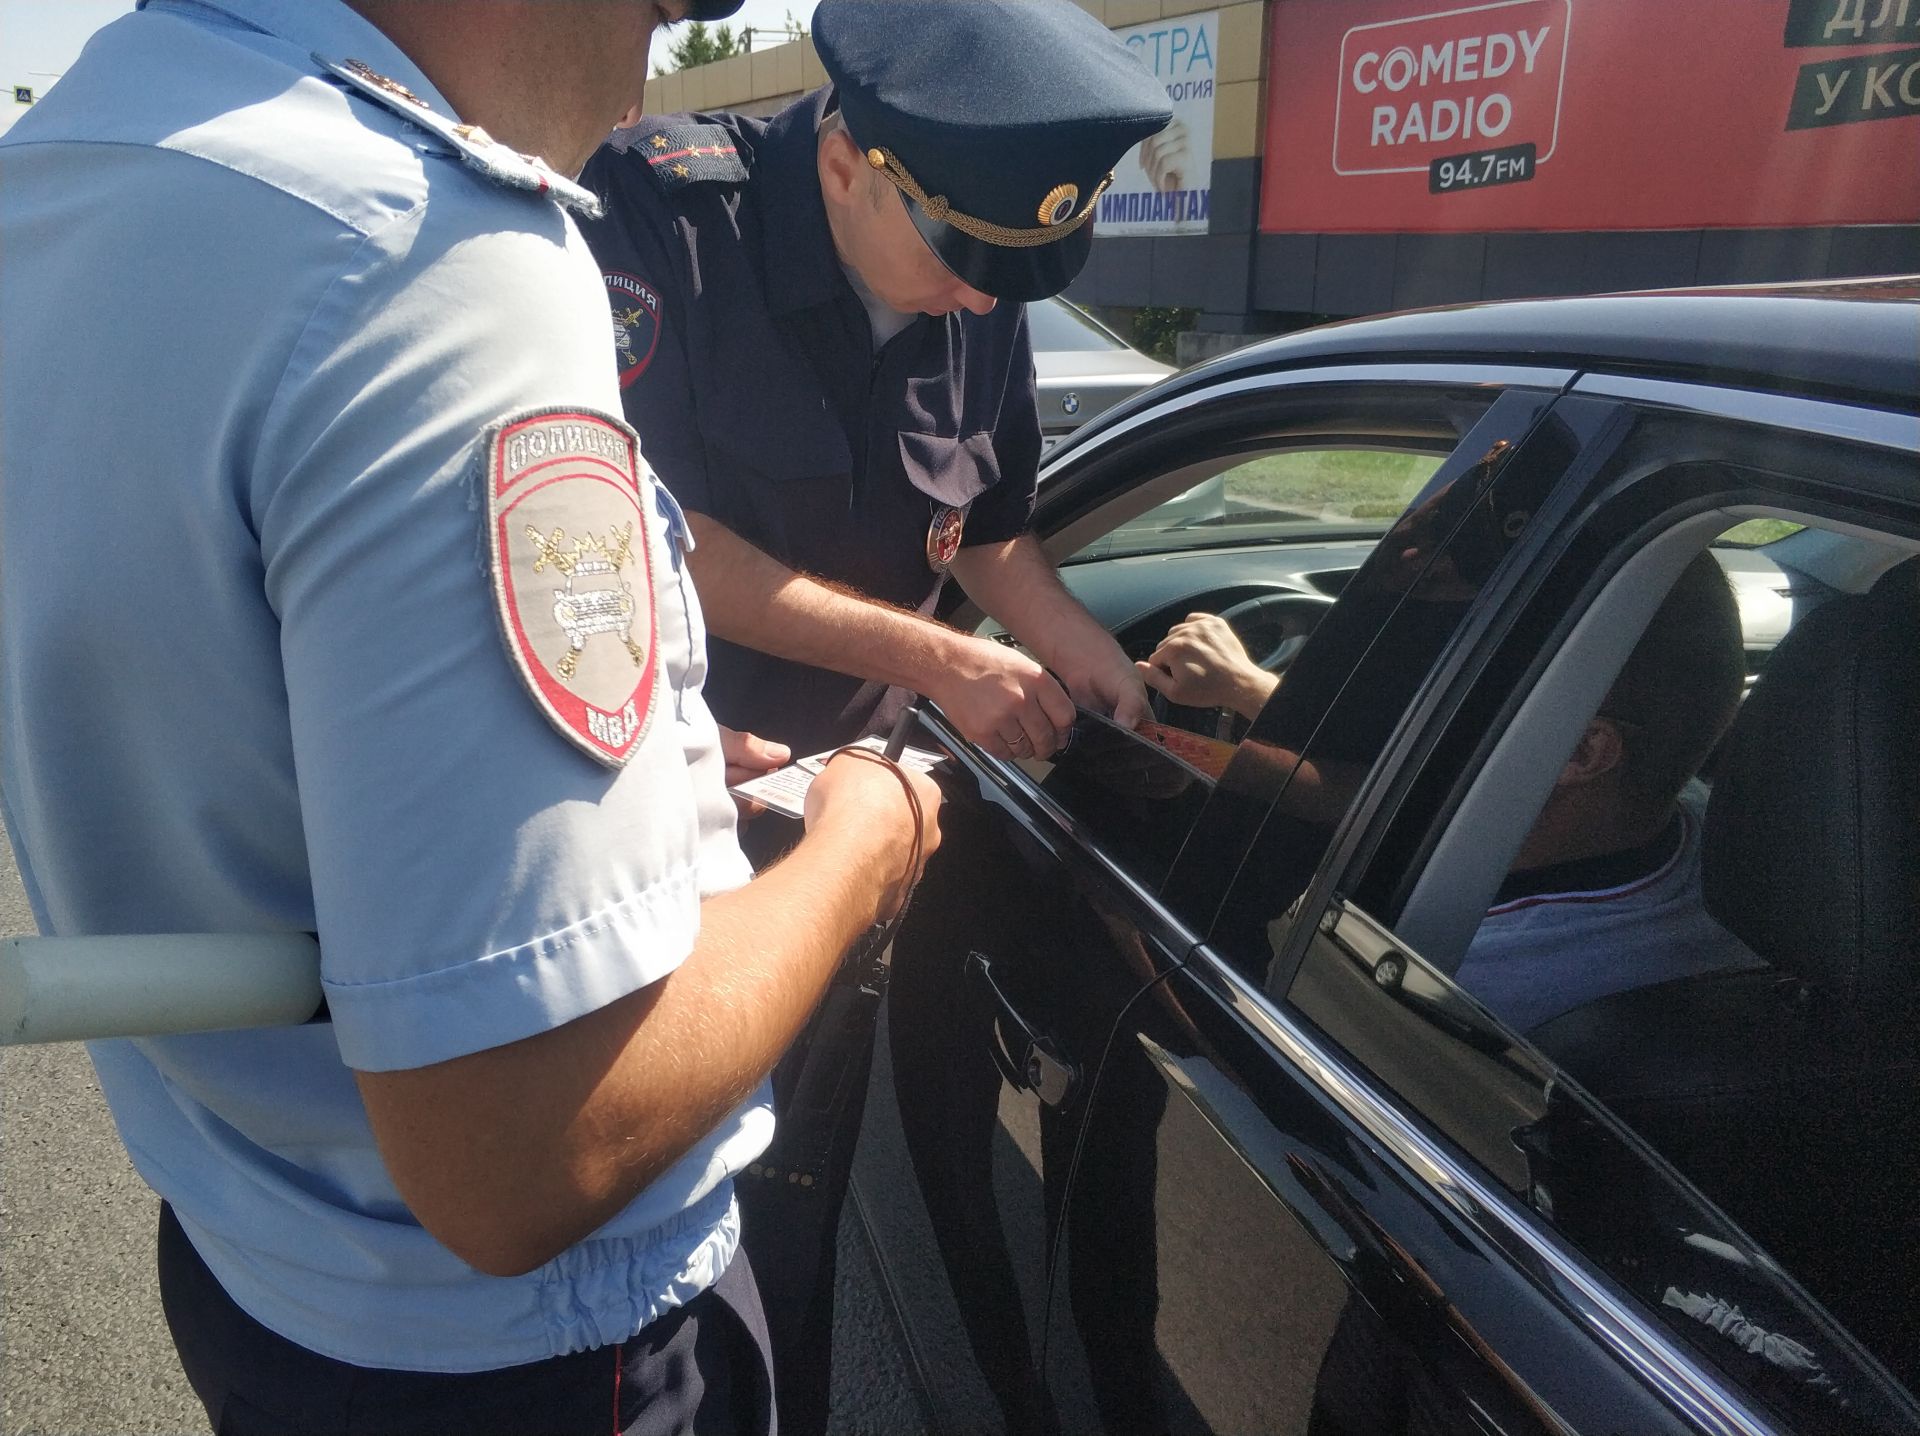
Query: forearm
[[509, 1156], [1015, 582], [1251, 690], [1018, 585], [752, 599]]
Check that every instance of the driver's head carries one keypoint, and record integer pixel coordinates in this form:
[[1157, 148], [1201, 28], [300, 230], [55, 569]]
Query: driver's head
[[1680, 687], [975, 139], [1669, 706]]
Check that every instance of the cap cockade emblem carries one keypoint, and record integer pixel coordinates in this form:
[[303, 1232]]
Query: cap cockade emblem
[[573, 575], [1057, 207]]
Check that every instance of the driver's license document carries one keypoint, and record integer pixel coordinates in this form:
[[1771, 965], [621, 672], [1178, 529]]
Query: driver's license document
[[784, 790]]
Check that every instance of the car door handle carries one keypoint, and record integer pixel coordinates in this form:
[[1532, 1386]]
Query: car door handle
[[1028, 1061]]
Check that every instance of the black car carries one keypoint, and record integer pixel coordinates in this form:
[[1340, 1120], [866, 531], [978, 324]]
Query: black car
[[1202, 1134]]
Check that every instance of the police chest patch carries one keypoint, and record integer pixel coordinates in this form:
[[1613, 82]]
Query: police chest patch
[[636, 323], [573, 575]]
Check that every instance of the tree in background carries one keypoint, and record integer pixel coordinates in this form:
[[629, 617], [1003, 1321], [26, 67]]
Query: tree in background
[[1156, 331], [701, 44]]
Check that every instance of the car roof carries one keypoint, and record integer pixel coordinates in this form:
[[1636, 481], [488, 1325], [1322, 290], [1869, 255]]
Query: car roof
[[1853, 339]]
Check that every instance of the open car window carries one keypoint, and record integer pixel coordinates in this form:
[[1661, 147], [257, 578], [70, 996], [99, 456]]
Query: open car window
[[1293, 492]]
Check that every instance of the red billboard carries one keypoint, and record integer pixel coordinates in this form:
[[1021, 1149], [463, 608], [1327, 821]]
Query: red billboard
[[1413, 116]]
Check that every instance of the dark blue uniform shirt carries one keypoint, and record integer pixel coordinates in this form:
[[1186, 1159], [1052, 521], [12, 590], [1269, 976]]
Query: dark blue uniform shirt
[[749, 369]]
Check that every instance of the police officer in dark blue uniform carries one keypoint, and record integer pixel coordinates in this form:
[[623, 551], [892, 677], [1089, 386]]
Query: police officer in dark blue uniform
[[822, 340], [822, 343]]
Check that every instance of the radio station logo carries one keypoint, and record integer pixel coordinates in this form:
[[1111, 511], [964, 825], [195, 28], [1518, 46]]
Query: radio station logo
[[1470, 97]]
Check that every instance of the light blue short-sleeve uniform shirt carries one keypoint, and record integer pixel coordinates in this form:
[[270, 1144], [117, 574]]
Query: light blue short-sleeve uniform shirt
[[260, 326]]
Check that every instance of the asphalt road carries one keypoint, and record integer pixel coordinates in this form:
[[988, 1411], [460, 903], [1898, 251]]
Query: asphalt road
[[83, 1346]]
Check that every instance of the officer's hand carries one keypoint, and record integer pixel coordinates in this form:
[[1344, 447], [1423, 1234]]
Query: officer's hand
[[1003, 701], [1203, 664], [748, 755], [870, 793], [1103, 680]]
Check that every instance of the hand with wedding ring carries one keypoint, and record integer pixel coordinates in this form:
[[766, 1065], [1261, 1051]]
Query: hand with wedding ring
[[1004, 701]]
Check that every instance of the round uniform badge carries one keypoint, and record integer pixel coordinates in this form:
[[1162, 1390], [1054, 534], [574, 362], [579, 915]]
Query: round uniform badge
[[943, 537], [1057, 207], [636, 323], [573, 575]]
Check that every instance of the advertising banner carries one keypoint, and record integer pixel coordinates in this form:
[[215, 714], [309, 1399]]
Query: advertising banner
[[1165, 185], [1416, 116]]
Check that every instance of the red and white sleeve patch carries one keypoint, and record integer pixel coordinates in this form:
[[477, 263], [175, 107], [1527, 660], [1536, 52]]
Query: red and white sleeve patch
[[573, 575]]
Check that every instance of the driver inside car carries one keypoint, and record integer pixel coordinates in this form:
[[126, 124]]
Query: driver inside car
[[1605, 893]]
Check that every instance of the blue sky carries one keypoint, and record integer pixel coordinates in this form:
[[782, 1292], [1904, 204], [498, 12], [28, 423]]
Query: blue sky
[[772, 12], [40, 38]]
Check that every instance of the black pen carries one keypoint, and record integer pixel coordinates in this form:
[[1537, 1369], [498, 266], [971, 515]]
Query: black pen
[[902, 726]]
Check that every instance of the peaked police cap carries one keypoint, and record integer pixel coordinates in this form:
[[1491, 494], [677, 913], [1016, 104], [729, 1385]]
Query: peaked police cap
[[1000, 122]]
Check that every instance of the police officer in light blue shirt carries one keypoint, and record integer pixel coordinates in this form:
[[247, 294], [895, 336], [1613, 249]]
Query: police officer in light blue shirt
[[337, 598]]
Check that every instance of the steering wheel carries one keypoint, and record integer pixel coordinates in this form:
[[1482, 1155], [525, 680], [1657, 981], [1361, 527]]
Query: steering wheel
[[1287, 615]]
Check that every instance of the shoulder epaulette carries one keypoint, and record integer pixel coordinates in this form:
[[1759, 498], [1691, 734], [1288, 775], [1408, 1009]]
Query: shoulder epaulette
[[682, 155], [477, 149]]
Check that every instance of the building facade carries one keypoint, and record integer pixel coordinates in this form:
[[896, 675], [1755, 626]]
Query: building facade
[[1343, 157]]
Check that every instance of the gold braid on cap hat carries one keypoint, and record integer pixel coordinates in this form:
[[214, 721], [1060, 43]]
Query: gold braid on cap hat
[[937, 208]]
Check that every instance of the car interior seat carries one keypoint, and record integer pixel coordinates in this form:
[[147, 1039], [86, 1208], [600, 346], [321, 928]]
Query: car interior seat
[[1791, 1094]]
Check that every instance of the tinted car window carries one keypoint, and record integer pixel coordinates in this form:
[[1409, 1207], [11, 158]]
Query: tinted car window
[[1294, 775], [1771, 1079]]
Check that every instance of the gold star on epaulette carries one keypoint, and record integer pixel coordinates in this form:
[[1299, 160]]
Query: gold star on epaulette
[[659, 142], [682, 171]]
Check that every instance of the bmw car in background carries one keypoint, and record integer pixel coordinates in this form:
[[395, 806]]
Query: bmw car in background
[[1205, 1135], [1083, 367]]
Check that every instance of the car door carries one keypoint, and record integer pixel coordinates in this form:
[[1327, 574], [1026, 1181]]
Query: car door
[[1249, 1244], [1037, 960], [1512, 1251]]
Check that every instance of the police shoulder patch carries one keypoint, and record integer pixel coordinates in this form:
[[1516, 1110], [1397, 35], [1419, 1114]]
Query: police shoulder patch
[[682, 155], [636, 323], [573, 574]]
